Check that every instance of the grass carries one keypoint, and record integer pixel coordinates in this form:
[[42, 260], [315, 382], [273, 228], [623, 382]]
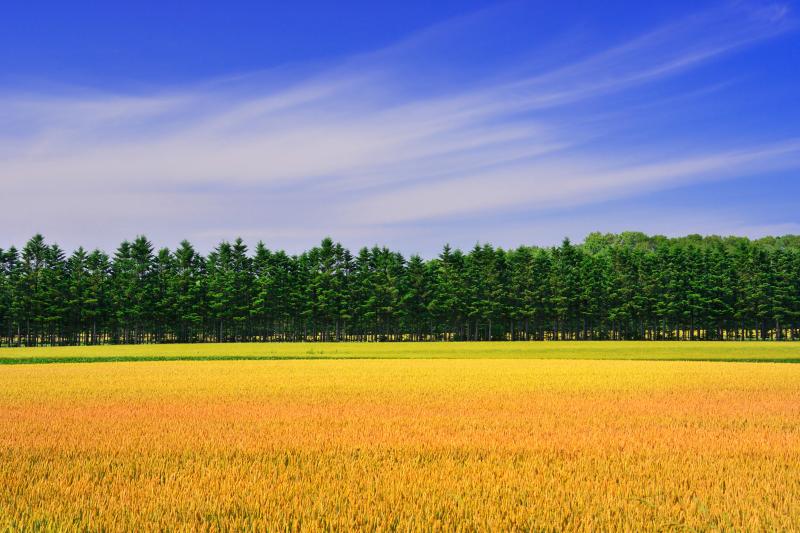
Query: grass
[[668, 351], [470, 443]]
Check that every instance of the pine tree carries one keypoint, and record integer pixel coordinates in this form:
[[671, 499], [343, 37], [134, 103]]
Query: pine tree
[[78, 295], [98, 302], [447, 304], [186, 293], [625, 286], [414, 297], [9, 263]]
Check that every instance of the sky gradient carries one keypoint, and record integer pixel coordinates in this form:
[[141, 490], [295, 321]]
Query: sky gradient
[[405, 125]]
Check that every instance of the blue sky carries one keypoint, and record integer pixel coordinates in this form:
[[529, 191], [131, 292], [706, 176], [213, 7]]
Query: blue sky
[[409, 124]]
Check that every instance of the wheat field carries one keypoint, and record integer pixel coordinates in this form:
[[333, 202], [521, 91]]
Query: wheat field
[[400, 444]]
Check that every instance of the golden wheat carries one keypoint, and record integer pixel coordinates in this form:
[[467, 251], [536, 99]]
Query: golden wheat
[[400, 444]]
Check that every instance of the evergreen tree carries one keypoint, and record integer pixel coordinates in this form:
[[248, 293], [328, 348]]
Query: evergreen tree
[[623, 286], [186, 293], [98, 302], [414, 293]]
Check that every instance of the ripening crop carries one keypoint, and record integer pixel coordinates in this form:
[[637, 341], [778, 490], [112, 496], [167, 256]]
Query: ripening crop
[[403, 444]]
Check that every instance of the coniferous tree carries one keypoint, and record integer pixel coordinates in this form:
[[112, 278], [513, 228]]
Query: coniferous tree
[[414, 293], [99, 296], [625, 286], [186, 293]]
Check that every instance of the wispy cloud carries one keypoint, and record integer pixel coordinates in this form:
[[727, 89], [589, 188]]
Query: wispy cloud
[[351, 150]]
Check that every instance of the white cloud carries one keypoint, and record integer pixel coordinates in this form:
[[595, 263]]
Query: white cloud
[[348, 150]]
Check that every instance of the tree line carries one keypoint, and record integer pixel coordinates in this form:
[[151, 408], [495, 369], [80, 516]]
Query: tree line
[[611, 286]]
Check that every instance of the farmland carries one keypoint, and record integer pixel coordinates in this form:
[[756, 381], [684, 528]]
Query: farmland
[[642, 350], [413, 436]]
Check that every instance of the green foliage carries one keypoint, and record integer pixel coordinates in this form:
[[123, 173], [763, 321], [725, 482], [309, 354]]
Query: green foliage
[[625, 286]]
